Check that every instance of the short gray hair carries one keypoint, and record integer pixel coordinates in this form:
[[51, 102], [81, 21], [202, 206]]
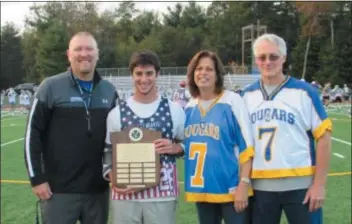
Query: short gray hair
[[274, 39]]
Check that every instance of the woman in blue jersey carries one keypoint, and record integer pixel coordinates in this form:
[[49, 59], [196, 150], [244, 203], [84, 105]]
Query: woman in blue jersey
[[218, 144]]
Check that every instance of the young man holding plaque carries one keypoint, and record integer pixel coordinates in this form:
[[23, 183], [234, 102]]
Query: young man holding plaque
[[65, 139], [147, 109]]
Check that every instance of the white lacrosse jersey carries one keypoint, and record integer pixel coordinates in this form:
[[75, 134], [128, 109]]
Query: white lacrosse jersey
[[26, 99], [285, 125], [21, 98], [12, 96]]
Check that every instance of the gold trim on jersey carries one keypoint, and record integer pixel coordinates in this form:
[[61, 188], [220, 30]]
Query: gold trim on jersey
[[212, 198], [246, 154], [326, 125], [277, 173], [204, 112]]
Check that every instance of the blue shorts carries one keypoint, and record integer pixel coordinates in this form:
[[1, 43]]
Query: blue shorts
[[268, 206]]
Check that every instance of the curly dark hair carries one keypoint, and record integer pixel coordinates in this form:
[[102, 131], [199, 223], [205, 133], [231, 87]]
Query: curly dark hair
[[145, 57]]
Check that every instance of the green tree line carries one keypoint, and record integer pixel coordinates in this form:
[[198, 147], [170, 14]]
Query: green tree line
[[318, 36]]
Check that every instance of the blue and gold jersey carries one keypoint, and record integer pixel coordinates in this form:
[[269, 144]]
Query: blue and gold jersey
[[285, 124], [216, 142]]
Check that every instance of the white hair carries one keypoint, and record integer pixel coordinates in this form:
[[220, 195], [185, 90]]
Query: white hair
[[274, 39]]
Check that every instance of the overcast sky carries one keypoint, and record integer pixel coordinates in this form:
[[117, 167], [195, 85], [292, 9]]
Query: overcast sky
[[15, 11]]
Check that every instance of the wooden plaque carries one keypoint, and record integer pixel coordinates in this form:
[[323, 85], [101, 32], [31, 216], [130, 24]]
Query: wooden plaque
[[135, 164]]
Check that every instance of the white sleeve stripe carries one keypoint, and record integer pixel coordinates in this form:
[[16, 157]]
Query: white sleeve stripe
[[28, 137]]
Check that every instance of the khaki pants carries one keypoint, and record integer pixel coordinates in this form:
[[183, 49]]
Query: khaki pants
[[135, 212]]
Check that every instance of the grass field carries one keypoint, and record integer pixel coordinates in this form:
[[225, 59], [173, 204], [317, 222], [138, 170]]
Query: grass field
[[18, 202]]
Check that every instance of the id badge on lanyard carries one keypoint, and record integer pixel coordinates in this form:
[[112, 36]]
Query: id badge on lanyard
[[86, 102]]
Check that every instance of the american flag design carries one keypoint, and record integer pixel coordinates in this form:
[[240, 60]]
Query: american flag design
[[160, 121]]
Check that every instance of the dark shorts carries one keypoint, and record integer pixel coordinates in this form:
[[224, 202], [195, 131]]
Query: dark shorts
[[70, 208], [268, 207], [338, 99], [214, 213]]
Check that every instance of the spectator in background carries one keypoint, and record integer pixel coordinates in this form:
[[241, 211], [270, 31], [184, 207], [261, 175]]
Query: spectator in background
[[346, 92], [315, 84], [2, 97], [181, 95], [26, 101], [20, 101], [326, 93], [337, 94], [12, 95]]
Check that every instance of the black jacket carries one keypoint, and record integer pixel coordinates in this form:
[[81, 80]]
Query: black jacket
[[58, 147]]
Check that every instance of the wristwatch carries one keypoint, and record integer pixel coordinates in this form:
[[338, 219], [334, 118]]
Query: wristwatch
[[245, 180]]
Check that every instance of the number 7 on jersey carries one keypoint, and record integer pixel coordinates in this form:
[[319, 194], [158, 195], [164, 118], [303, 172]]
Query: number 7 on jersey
[[268, 147], [198, 151]]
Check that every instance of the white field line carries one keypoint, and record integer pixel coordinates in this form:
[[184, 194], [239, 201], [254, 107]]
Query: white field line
[[5, 115], [11, 142], [338, 155], [339, 119], [11, 125], [347, 115], [341, 141], [10, 119]]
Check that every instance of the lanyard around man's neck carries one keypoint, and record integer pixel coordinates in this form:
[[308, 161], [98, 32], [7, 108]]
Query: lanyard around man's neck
[[86, 103]]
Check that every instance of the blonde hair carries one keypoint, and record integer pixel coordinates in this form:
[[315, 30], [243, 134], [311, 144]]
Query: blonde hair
[[83, 34]]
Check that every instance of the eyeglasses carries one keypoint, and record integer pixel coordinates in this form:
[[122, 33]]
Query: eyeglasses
[[270, 57]]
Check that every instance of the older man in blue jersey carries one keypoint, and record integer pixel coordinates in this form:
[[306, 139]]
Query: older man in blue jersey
[[292, 140]]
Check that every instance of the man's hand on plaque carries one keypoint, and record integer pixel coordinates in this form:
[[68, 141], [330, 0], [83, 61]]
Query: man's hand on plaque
[[123, 190], [165, 146]]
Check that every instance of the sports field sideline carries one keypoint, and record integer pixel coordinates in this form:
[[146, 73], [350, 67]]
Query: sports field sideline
[[18, 202]]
